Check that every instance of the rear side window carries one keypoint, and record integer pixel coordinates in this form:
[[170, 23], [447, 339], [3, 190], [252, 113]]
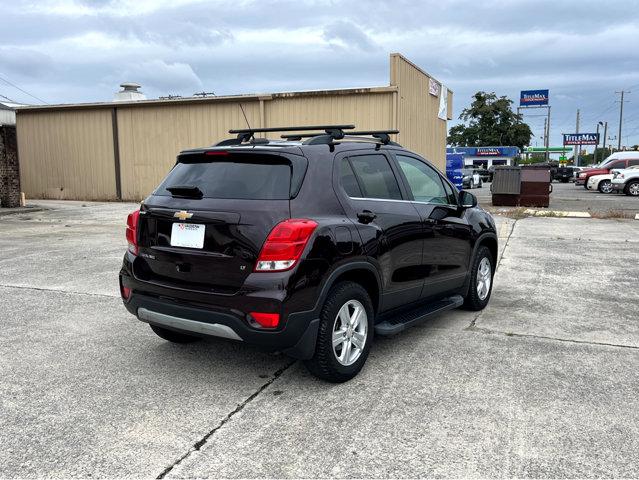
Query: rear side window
[[242, 176], [375, 177]]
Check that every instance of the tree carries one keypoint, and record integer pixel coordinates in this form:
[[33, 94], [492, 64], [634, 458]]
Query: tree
[[490, 121]]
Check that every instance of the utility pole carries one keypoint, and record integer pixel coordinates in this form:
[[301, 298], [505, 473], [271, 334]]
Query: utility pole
[[547, 144], [594, 153], [545, 135], [576, 162], [605, 137], [620, 117]]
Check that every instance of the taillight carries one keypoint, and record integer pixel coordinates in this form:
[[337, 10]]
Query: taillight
[[132, 231], [266, 320], [125, 292], [284, 245]]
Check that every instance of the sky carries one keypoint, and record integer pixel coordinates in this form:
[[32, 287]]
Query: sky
[[67, 51]]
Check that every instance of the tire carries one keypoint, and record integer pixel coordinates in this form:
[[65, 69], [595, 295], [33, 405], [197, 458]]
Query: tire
[[481, 184], [328, 362], [632, 188], [173, 336], [605, 186], [471, 185], [474, 299]]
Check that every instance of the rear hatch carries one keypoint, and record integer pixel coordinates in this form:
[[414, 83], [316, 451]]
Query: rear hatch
[[204, 226]]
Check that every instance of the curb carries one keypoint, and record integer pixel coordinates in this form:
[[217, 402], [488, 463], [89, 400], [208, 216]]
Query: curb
[[557, 213]]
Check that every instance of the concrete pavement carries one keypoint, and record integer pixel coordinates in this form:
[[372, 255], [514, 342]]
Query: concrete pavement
[[542, 383]]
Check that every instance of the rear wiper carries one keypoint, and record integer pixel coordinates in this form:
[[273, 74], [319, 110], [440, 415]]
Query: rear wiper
[[185, 191]]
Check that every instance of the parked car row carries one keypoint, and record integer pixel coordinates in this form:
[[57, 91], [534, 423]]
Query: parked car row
[[617, 173], [625, 180]]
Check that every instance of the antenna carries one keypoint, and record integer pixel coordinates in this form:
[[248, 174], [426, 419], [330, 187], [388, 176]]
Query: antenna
[[247, 122]]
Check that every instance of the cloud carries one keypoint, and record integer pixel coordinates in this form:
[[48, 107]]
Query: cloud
[[347, 35], [157, 76], [81, 50]]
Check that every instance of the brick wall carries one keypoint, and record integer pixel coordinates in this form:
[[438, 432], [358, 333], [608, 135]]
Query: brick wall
[[9, 168]]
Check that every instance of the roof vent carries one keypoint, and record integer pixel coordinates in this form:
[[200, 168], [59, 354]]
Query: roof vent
[[129, 93]]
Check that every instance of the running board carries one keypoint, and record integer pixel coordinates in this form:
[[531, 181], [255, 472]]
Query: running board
[[405, 320]]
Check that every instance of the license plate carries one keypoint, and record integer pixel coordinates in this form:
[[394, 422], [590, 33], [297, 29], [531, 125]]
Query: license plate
[[187, 235]]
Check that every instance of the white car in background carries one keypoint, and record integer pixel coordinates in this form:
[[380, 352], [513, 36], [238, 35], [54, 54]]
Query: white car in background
[[603, 183], [626, 181]]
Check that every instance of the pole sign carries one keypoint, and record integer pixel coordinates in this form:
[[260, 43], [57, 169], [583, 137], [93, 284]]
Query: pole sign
[[581, 139], [533, 98]]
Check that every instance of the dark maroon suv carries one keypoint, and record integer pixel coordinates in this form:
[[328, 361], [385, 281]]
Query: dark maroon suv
[[308, 245]]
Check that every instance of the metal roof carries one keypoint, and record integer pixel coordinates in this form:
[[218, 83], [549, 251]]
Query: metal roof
[[11, 105], [212, 99]]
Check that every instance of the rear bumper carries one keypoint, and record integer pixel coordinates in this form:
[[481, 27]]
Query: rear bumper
[[297, 338]]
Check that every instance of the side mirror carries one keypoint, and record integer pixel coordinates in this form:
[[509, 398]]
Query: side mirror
[[467, 199]]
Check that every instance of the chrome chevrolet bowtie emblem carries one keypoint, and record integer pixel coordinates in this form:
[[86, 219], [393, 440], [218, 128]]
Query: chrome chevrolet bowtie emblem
[[182, 215]]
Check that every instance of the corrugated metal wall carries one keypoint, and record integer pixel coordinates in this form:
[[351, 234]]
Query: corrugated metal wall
[[419, 127], [67, 154], [151, 137], [365, 110], [7, 117], [70, 152]]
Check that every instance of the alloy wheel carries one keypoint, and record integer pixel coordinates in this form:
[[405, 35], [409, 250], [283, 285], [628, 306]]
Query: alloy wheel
[[633, 189], [350, 331], [606, 187], [484, 278]]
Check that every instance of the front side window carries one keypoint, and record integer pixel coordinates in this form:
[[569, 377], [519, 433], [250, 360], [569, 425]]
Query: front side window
[[450, 193], [633, 162], [424, 181], [374, 177]]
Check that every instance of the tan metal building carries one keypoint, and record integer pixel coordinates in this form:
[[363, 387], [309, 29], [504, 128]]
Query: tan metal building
[[122, 150]]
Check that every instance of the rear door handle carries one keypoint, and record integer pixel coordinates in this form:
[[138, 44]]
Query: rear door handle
[[366, 216]]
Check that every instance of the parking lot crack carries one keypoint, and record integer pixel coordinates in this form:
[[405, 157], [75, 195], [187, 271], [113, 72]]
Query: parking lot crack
[[197, 446], [67, 292], [547, 337]]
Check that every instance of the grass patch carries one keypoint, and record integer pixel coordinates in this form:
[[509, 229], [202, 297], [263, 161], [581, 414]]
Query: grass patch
[[621, 214]]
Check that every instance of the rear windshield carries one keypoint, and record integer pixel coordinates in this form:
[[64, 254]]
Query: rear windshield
[[240, 176]]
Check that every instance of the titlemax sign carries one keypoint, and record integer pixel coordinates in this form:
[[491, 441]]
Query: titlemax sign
[[581, 138], [533, 98]]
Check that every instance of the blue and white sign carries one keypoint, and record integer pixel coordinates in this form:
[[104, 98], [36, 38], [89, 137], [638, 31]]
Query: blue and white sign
[[454, 165], [510, 152], [533, 98], [581, 139]]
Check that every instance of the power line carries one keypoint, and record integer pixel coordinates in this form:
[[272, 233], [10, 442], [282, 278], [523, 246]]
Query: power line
[[23, 91], [8, 99]]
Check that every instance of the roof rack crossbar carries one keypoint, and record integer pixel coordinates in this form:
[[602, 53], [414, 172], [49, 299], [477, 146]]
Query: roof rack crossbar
[[382, 135], [246, 134], [303, 128]]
